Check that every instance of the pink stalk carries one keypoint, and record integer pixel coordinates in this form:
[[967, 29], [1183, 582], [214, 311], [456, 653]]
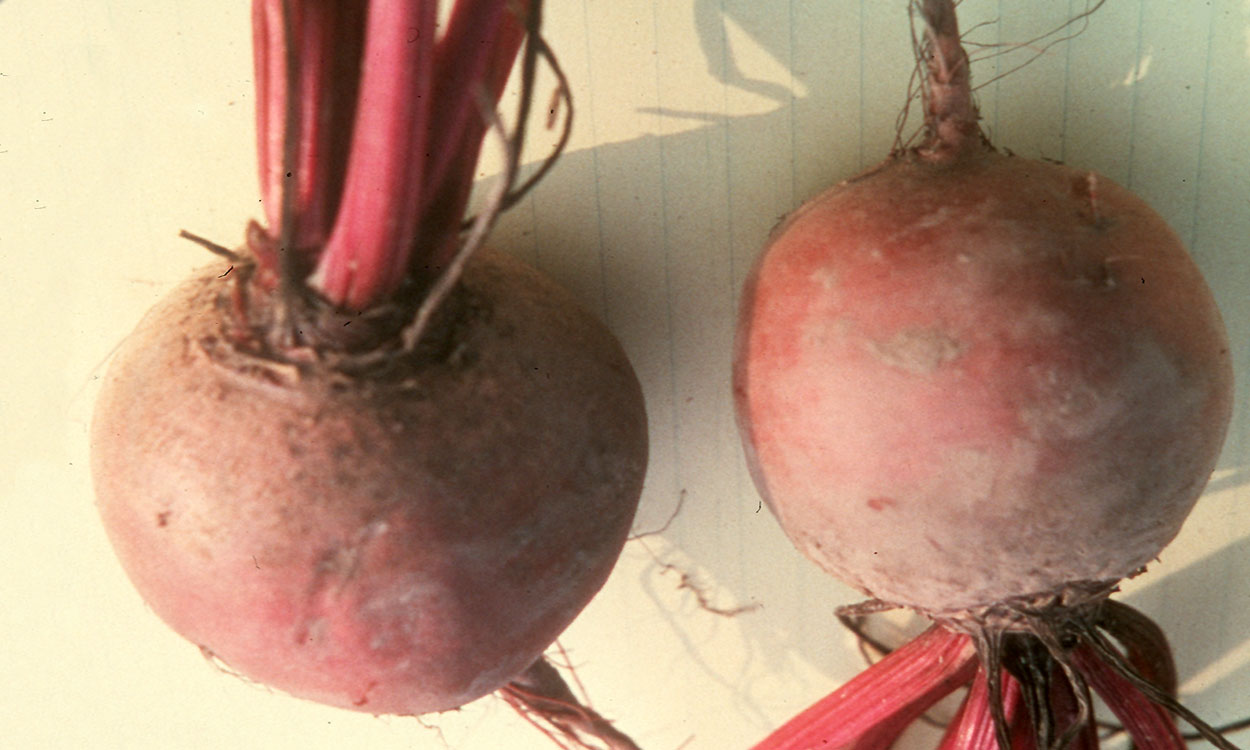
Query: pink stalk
[[1150, 725], [327, 39], [883, 699], [386, 125], [461, 68], [269, 48], [463, 73], [365, 257], [973, 726]]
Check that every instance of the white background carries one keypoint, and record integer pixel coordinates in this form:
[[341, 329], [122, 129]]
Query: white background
[[699, 124]]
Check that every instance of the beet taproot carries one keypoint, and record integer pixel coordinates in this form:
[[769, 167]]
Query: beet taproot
[[402, 543], [960, 383], [985, 388]]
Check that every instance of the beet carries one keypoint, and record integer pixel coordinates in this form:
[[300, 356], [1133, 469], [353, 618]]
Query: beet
[[987, 389], [401, 541]]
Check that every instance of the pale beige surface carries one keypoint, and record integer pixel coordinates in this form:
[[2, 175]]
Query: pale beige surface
[[699, 124]]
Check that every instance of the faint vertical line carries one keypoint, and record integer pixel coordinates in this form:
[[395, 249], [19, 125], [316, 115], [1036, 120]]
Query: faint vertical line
[[594, 161], [861, 85], [1192, 240], [1067, 90], [794, 188], [998, 68], [1132, 109], [678, 468], [735, 286], [729, 197]]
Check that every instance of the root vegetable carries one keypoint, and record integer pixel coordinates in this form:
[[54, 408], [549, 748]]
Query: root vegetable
[[371, 464], [987, 368], [402, 543], [986, 388]]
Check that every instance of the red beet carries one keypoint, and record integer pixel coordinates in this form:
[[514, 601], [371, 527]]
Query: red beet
[[398, 543], [986, 388], [371, 464]]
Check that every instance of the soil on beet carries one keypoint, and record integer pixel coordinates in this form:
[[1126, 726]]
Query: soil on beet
[[402, 541]]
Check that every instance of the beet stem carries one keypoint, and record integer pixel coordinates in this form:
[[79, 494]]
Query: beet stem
[[885, 697], [462, 69], [1099, 659], [306, 59], [267, 50], [1145, 644], [482, 41], [950, 114], [369, 128], [1150, 725], [382, 190], [477, 236], [975, 727]]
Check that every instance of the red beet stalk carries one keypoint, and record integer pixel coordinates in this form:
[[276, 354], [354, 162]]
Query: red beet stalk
[[1149, 724], [973, 727], [874, 707], [373, 118]]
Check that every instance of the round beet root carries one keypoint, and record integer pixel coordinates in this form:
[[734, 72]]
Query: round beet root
[[962, 383], [985, 388], [403, 541]]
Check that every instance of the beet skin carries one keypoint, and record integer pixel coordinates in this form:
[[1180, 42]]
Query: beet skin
[[967, 381], [394, 544]]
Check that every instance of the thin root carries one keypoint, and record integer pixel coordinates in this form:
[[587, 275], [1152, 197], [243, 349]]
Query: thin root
[[681, 500], [701, 596], [211, 246], [544, 699]]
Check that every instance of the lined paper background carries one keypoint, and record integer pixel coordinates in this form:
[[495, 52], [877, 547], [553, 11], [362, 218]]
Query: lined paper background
[[699, 123]]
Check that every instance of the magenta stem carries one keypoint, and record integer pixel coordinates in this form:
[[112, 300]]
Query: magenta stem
[[365, 257], [1150, 725], [386, 127], [973, 726], [461, 69], [268, 50], [882, 700], [327, 38], [482, 41]]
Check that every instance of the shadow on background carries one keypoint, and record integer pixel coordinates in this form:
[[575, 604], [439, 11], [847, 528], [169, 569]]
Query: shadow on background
[[759, 21], [1209, 602]]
